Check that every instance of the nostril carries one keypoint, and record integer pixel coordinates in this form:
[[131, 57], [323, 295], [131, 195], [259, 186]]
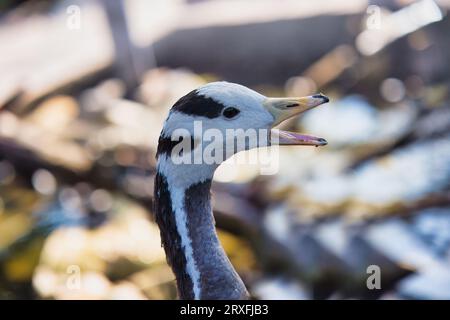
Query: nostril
[[292, 105]]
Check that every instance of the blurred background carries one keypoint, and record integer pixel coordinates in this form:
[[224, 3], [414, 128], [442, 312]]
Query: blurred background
[[86, 85]]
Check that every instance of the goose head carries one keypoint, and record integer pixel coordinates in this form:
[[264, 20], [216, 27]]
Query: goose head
[[219, 119]]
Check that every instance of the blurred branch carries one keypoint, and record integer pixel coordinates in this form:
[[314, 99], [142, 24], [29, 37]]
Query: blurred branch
[[125, 51]]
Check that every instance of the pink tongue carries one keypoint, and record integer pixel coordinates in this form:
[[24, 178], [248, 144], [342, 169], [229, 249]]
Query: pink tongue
[[298, 136], [292, 138]]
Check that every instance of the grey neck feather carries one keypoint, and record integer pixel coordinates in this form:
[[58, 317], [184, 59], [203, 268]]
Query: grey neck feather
[[217, 278]]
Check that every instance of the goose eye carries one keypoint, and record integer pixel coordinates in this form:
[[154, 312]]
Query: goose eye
[[230, 112]]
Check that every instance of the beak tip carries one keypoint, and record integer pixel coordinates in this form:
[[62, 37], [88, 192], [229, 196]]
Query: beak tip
[[322, 141], [323, 97]]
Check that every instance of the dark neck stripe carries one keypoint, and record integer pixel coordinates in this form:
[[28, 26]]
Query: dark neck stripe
[[218, 279], [166, 145], [171, 240], [196, 104]]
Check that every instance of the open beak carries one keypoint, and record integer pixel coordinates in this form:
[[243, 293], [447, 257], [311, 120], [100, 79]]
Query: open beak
[[285, 108]]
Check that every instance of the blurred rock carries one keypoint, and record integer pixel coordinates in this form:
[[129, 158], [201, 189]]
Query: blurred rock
[[433, 226], [384, 184], [280, 289], [397, 240], [431, 284]]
